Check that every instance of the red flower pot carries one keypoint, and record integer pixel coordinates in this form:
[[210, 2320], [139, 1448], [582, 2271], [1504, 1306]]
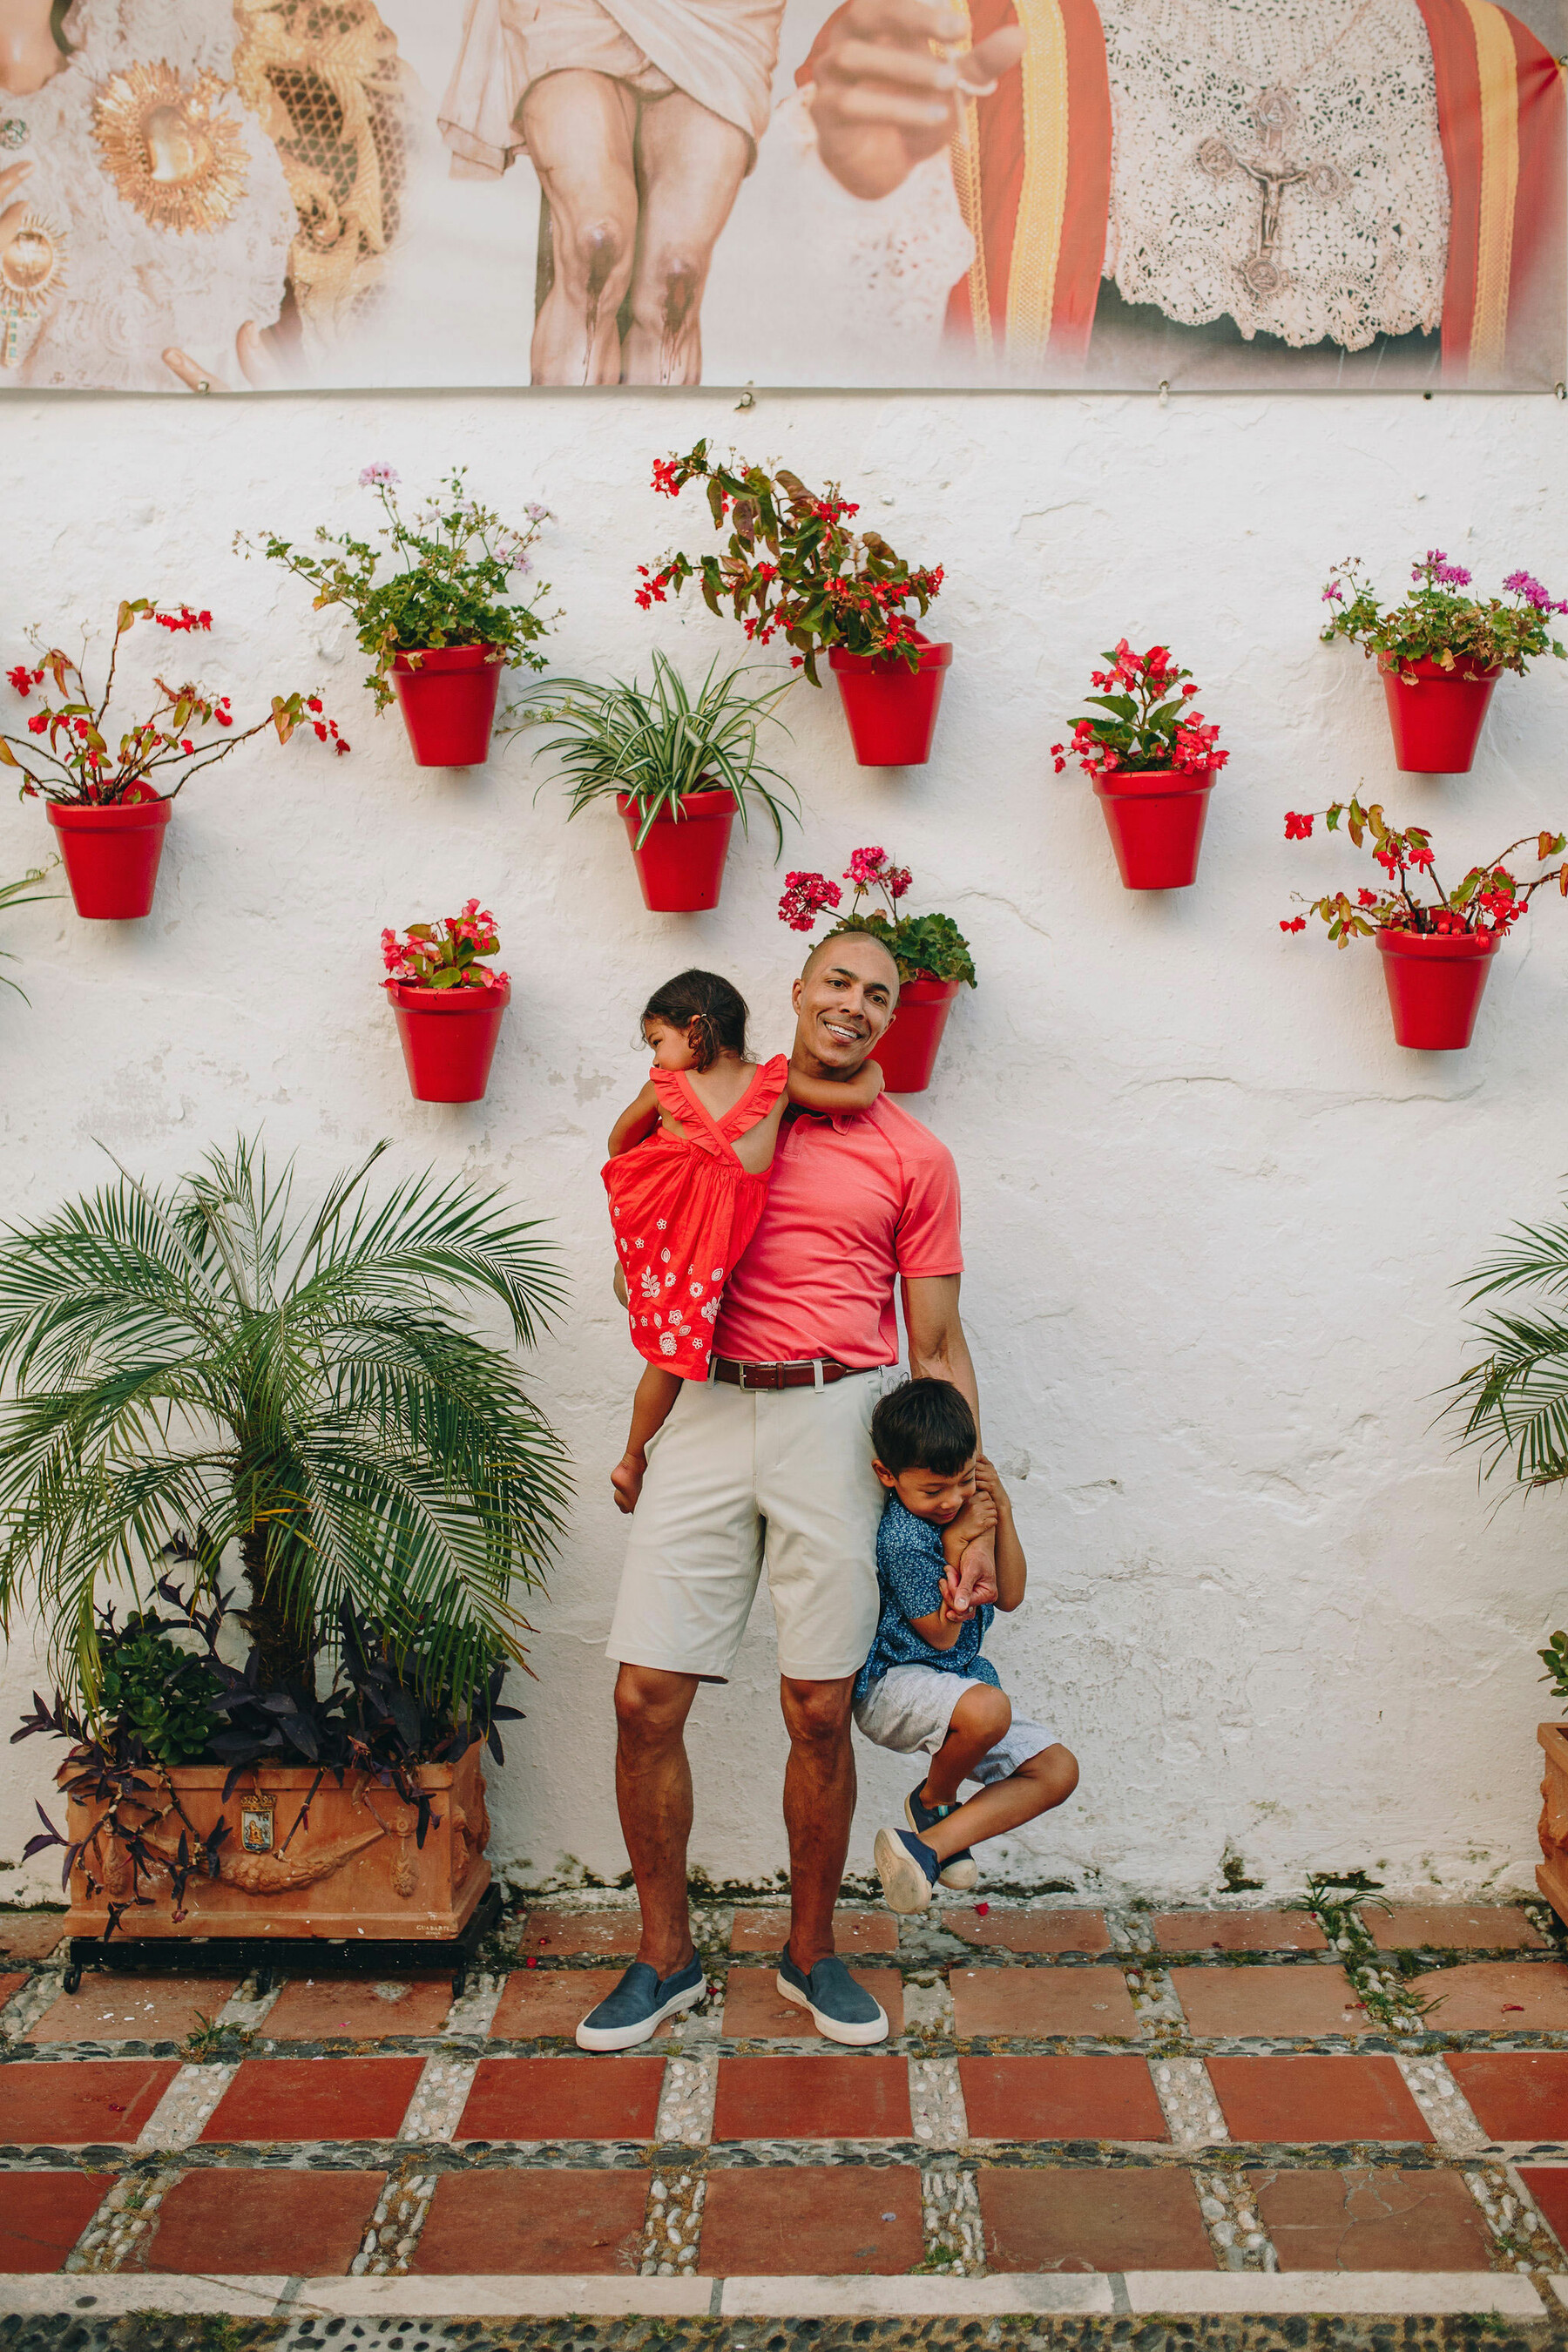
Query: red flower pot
[[681, 866], [448, 1038], [448, 698], [1436, 981], [1437, 721], [908, 1051], [891, 708], [1156, 825], [111, 854]]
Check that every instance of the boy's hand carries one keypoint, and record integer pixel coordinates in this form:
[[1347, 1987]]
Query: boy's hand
[[988, 1484]]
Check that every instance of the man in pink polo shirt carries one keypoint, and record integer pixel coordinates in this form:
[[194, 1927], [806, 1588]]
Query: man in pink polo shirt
[[770, 1460]]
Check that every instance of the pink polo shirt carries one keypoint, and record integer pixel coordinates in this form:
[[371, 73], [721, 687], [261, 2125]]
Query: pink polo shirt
[[854, 1205]]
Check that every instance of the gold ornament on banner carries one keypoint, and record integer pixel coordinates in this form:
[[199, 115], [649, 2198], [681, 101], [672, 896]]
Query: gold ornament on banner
[[32, 272], [168, 149]]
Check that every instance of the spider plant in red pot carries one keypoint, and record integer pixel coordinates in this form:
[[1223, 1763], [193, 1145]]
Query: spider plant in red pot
[[1441, 652], [1151, 762], [110, 807], [1437, 949], [791, 569], [448, 1003], [445, 619], [931, 954]]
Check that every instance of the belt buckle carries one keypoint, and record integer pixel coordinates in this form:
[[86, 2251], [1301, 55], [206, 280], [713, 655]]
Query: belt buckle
[[743, 1383]]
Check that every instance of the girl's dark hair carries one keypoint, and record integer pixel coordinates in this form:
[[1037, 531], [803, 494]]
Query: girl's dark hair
[[719, 1011], [924, 1425]]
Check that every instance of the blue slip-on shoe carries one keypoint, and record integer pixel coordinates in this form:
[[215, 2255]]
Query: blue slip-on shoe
[[639, 2005], [844, 2011], [960, 1871], [907, 1868]]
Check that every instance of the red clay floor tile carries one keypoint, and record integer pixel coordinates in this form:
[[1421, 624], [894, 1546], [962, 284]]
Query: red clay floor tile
[[1360, 2220], [315, 2098], [266, 2222], [852, 1931], [1060, 2098], [564, 1935], [563, 2098], [523, 2222], [1310, 2098], [1269, 2000], [755, 2009], [537, 2002], [1092, 2220], [59, 2102], [1031, 2003], [30, 1934], [1497, 1997], [1453, 1927], [42, 2215], [1515, 2093], [131, 2008], [801, 2097], [832, 2220], [11, 1983], [1030, 1931], [1239, 1931], [1548, 2184], [346, 2008]]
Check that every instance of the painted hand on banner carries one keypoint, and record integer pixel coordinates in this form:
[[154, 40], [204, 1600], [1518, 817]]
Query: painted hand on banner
[[883, 101], [258, 370], [11, 180]]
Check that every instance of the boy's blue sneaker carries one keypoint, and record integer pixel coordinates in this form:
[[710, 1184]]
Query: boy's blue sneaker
[[907, 1869], [960, 1871], [639, 2005], [844, 2011]]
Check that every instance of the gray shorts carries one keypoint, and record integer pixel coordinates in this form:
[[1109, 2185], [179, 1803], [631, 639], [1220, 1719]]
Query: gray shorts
[[910, 1709]]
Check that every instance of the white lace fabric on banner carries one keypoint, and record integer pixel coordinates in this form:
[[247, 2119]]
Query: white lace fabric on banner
[[131, 288], [1361, 246]]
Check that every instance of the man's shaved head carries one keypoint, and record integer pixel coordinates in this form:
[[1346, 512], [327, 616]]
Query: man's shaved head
[[843, 1000], [836, 939]]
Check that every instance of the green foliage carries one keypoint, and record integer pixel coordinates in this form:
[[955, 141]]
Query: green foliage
[[658, 742], [22, 894], [1514, 1400], [455, 562], [924, 946], [197, 1361], [158, 1691], [1436, 623], [1554, 1658]]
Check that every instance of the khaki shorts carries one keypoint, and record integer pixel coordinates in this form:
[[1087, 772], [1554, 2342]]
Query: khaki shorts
[[737, 1478]]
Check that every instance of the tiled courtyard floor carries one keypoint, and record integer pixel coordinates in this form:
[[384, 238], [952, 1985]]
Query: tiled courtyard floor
[[1083, 2111]]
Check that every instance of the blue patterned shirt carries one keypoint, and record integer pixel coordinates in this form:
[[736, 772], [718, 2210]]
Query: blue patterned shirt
[[909, 1564]]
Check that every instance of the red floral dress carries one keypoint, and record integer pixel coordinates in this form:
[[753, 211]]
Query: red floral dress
[[683, 1209]]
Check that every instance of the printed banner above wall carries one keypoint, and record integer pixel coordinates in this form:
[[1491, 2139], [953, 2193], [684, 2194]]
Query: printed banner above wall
[[1097, 194]]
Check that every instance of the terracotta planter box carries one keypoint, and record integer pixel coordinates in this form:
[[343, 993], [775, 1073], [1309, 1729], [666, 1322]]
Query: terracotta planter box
[[1552, 1876], [354, 1870]]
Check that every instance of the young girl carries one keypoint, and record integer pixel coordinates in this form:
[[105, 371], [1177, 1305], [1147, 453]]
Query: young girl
[[688, 1176]]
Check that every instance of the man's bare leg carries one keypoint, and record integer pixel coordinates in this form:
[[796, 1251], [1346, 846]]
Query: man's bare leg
[[690, 163], [819, 1806], [580, 129], [653, 1793]]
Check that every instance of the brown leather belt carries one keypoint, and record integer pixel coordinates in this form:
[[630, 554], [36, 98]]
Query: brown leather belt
[[799, 1375]]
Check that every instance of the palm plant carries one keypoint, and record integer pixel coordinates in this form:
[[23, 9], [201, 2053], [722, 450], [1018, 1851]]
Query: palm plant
[[1515, 1400], [194, 1365], [21, 894], [658, 742]]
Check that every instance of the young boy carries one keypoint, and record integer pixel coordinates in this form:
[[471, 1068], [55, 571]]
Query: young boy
[[925, 1684]]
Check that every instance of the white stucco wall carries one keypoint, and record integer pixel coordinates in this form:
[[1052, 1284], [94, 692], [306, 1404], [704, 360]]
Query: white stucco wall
[[1213, 1217]]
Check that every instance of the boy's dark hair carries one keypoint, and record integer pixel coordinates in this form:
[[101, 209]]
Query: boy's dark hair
[[924, 1425], [718, 1009]]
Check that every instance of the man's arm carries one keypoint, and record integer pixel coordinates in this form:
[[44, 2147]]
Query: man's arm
[[938, 1351]]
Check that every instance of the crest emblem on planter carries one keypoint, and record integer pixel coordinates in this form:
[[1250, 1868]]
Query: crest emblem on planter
[[256, 1822]]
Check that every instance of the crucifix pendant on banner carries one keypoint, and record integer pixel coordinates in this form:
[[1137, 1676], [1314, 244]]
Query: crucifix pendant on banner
[[1275, 115]]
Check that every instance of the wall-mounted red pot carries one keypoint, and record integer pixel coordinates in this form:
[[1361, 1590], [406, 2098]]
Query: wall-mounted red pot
[[680, 864], [1436, 983], [447, 696], [1436, 720], [448, 1037], [111, 854], [891, 708], [908, 1051], [1156, 825]]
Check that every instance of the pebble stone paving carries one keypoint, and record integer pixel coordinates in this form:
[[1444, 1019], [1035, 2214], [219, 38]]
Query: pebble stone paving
[[1070, 2090]]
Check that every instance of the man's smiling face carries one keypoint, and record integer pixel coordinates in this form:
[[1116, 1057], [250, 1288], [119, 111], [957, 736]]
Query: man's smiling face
[[844, 1000]]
